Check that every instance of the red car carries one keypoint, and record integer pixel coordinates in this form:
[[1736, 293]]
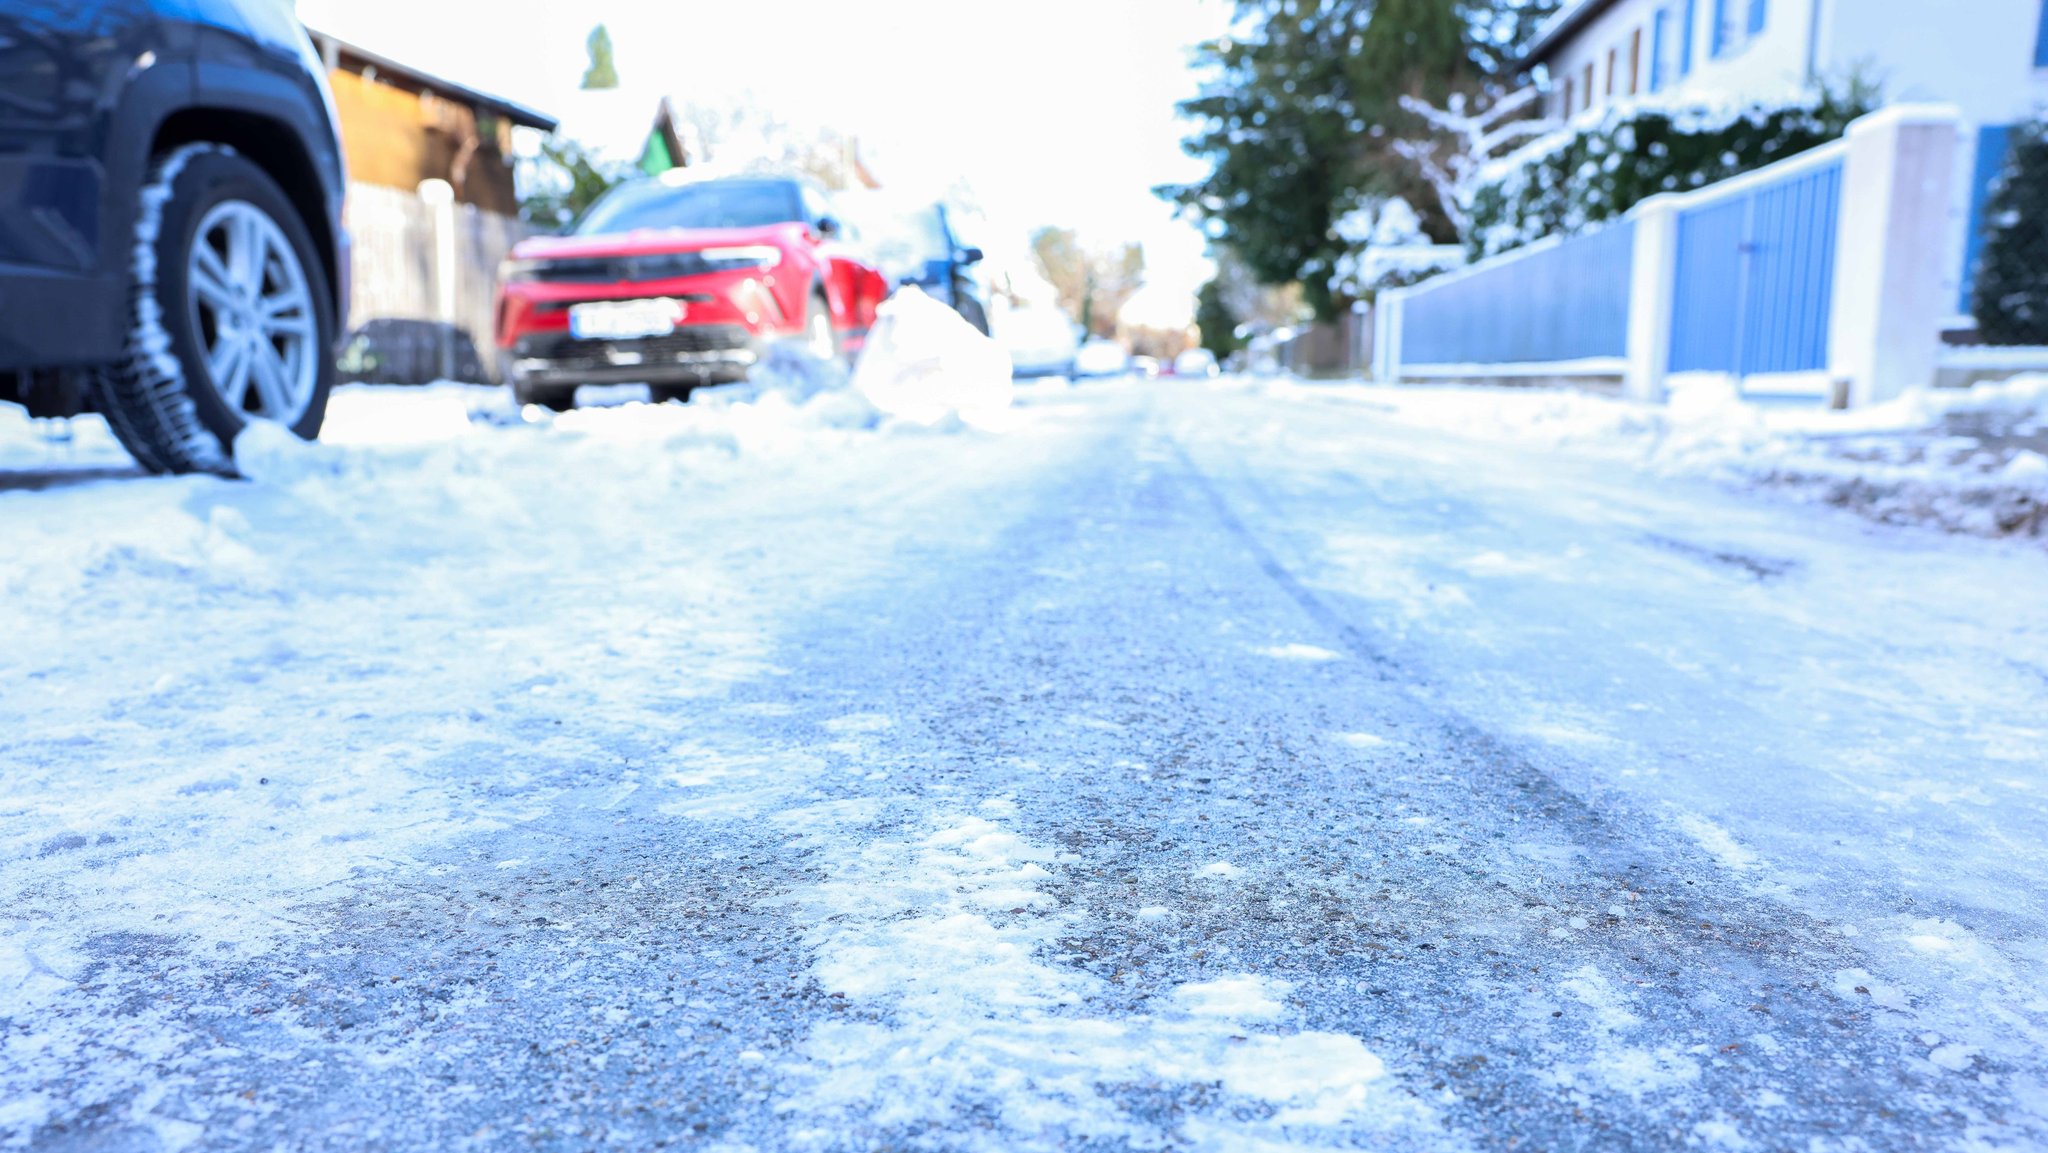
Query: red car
[[679, 282]]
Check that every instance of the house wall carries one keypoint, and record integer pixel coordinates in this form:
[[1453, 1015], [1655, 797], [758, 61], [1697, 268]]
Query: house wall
[[1985, 64], [1772, 63], [1984, 56], [395, 138], [1978, 56]]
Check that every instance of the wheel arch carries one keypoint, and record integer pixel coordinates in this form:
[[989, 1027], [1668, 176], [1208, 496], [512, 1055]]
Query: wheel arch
[[272, 145]]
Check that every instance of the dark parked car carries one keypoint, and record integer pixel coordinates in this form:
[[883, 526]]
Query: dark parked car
[[171, 245], [918, 242]]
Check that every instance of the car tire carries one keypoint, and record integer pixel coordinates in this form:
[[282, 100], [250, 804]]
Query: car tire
[[230, 316], [972, 311], [553, 397], [663, 393]]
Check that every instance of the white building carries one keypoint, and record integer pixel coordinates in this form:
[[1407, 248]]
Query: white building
[[1987, 57]]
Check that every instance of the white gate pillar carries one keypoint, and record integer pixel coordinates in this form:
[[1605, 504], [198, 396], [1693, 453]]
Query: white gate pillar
[[1891, 250], [1386, 337], [1652, 297]]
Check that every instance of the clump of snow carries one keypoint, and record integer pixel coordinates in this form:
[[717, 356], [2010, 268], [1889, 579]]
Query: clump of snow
[[955, 973], [1247, 997], [925, 364], [1300, 652]]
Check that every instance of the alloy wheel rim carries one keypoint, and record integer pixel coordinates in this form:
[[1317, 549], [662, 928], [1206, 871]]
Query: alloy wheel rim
[[254, 314]]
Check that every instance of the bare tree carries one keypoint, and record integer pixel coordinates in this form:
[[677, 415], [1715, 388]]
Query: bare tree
[[1092, 285]]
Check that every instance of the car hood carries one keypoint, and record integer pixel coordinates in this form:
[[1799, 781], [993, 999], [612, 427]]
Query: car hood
[[653, 241]]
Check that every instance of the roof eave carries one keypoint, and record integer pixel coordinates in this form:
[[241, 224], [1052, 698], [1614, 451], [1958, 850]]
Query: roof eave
[[1563, 27], [517, 113]]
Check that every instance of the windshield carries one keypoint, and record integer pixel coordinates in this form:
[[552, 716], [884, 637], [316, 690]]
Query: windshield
[[713, 204]]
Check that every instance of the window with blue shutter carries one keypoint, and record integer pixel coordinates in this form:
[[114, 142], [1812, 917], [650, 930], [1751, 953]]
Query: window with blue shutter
[[1717, 37], [1758, 9], [1685, 37], [1657, 34]]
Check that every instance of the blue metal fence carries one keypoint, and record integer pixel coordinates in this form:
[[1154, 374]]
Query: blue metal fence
[[1755, 276], [1567, 301]]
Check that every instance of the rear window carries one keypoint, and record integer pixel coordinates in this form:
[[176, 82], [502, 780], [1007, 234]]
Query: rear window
[[712, 204], [901, 236]]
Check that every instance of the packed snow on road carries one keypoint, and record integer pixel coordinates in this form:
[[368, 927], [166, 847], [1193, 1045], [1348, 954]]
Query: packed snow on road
[[1233, 765]]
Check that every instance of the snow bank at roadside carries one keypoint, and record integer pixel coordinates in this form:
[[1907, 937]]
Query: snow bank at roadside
[[923, 363], [1963, 460]]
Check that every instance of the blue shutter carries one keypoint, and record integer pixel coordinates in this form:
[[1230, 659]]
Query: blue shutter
[[1685, 37], [1758, 9], [1717, 37], [1657, 24], [2041, 40], [1994, 148]]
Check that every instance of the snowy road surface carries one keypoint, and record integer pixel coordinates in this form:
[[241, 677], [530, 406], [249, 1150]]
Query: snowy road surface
[[1173, 767]]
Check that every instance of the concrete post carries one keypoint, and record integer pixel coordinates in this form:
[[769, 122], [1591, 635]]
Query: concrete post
[[1386, 337], [1891, 252], [439, 196], [1652, 296]]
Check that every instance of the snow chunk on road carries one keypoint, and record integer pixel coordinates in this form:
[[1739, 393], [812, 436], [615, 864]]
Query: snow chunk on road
[[1299, 652], [1320, 1076], [965, 1008], [925, 364], [1716, 841], [1246, 997]]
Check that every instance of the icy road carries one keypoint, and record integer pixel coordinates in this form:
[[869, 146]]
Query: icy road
[[1172, 766]]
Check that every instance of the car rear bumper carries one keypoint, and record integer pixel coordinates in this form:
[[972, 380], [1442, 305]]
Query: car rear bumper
[[692, 354]]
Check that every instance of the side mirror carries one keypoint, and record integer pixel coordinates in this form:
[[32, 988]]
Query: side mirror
[[970, 256], [827, 226]]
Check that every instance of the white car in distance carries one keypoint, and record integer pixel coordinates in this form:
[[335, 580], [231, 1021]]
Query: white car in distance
[[1196, 362]]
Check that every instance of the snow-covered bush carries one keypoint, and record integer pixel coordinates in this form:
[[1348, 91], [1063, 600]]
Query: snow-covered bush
[[2011, 295], [1385, 247], [1602, 164]]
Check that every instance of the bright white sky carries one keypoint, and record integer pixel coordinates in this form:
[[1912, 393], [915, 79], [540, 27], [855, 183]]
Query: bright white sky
[[1053, 111]]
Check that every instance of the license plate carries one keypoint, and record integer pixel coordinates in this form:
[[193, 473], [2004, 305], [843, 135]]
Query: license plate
[[624, 319]]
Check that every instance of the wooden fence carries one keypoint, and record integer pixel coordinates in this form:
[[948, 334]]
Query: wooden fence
[[397, 274]]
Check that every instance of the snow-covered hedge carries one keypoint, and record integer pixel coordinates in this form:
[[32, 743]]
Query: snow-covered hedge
[[1385, 248], [1600, 165], [2011, 293]]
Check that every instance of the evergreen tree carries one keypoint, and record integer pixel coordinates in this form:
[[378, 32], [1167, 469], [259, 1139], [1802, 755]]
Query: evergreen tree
[[2011, 295], [1415, 49], [1279, 129], [1301, 110], [602, 73], [563, 181], [1214, 318]]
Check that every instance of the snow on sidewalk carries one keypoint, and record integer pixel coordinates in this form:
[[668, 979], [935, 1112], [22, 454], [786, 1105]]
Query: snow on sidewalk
[[1964, 460]]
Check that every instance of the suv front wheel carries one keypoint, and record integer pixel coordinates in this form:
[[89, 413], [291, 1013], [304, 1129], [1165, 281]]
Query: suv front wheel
[[231, 320]]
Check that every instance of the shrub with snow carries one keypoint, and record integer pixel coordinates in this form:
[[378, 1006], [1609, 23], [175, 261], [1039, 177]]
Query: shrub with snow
[[1601, 165], [1388, 249], [2011, 295]]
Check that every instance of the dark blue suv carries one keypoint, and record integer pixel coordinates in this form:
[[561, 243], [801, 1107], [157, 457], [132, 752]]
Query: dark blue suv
[[171, 243]]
